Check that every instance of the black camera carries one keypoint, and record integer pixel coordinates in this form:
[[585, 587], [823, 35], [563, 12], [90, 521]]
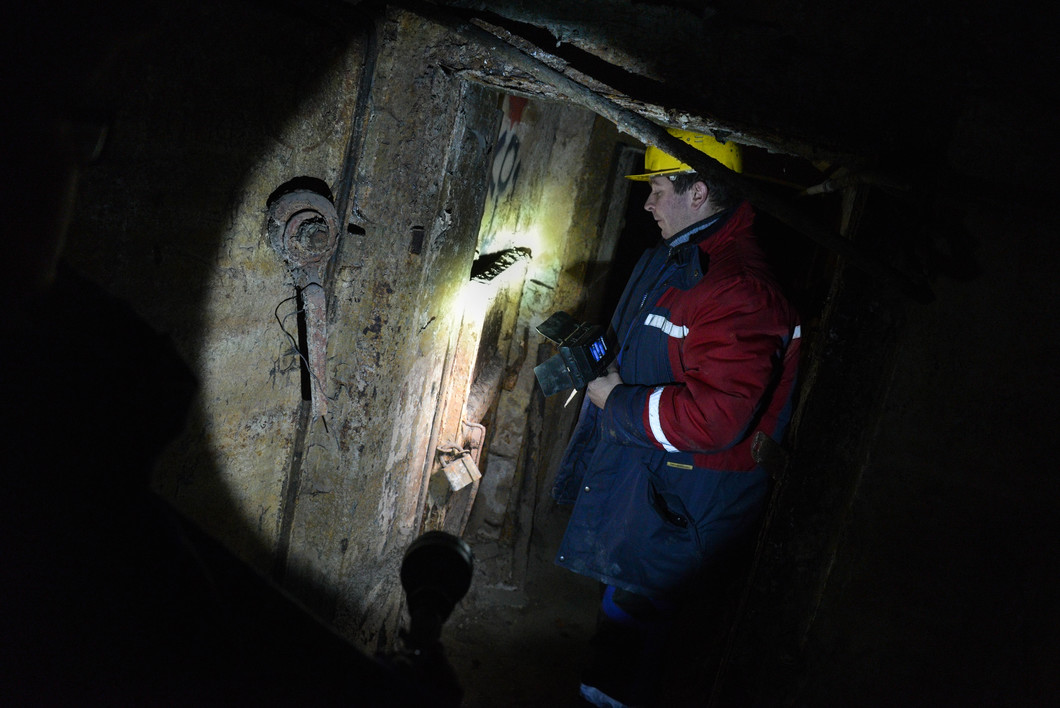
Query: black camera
[[585, 352]]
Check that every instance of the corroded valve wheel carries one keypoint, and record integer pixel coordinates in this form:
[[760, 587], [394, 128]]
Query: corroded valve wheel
[[303, 228]]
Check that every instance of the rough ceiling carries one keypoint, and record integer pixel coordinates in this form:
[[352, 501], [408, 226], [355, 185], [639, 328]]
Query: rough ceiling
[[904, 85], [940, 88]]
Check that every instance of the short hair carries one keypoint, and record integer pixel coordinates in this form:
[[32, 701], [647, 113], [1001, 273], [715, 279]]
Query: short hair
[[722, 195]]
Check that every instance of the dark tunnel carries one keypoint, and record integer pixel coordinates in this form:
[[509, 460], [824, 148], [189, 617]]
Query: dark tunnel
[[220, 448]]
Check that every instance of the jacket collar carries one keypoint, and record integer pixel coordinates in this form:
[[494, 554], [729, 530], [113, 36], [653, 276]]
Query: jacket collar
[[691, 260], [699, 230]]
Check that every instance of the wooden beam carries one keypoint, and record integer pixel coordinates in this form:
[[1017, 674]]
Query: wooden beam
[[651, 133]]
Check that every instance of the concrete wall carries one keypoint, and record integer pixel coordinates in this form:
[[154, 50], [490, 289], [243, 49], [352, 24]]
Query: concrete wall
[[943, 571], [905, 560], [207, 122], [213, 110]]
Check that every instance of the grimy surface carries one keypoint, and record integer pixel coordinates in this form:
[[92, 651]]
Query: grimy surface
[[522, 644]]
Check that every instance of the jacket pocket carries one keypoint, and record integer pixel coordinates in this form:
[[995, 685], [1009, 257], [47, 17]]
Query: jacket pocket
[[671, 509], [667, 506]]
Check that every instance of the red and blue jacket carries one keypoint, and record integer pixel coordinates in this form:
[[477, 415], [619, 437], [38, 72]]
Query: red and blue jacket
[[662, 478]]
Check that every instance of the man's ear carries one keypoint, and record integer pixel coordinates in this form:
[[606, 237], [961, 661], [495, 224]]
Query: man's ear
[[700, 194]]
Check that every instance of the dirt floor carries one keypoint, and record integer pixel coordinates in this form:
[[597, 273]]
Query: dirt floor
[[518, 638]]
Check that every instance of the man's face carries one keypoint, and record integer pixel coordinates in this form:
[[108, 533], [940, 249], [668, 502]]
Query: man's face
[[672, 211]]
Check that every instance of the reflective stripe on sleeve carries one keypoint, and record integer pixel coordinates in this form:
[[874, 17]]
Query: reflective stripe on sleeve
[[656, 423], [660, 322], [798, 332]]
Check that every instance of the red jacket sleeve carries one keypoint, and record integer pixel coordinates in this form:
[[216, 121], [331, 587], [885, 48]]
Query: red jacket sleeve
[[725, 367]]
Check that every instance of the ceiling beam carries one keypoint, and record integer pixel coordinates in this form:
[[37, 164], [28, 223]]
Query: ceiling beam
[[651, 133]]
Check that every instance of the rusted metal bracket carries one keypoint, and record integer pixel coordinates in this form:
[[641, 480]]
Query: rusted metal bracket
[[454, 486], [474, 439], [303, 228]]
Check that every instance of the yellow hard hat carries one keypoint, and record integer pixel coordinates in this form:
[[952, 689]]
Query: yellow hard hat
[[657, 162]]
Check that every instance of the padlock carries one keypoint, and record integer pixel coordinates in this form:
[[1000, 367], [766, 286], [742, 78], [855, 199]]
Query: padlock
[[456, 474]]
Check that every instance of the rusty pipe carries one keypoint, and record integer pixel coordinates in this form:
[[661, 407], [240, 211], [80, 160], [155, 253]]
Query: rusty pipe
[[303, 228]]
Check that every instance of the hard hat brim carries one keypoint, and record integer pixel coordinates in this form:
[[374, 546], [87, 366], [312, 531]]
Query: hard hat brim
[[658, 173]]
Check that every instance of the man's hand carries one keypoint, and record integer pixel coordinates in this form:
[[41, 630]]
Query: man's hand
[[600, 388]]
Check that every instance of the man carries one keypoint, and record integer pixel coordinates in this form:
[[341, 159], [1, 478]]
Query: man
[[660, 467]]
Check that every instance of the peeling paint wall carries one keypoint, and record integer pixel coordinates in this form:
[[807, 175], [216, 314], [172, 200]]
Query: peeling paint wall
[[548, 191], [420, 168], [210, 121]]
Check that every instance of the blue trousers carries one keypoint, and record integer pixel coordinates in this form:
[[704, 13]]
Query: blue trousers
[[628, 645]]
